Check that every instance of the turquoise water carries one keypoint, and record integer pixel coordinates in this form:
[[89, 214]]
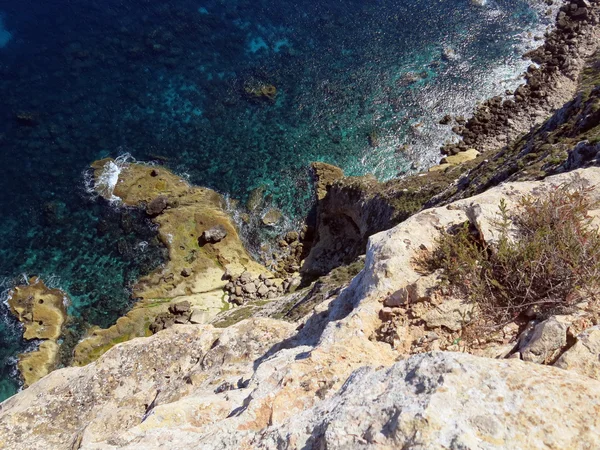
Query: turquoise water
[[168, 82]]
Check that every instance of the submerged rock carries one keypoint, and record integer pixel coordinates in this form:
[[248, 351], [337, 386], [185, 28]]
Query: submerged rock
[[272, 217]]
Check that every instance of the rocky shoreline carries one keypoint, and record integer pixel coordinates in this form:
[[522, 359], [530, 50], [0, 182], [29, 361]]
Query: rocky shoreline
[[549, 84], [386, 350], [336, 349], [42, 311]]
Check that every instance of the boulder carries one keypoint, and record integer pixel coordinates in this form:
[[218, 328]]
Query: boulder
[[199, 316], [157, 206], [584, 356], [546, 341], [272, 217], [460, 158], [180, 308], [214, 234], [453, 313], [291, 236], [262, 290]]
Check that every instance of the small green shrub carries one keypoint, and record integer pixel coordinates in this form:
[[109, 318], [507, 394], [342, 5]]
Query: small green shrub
[[547, 257]]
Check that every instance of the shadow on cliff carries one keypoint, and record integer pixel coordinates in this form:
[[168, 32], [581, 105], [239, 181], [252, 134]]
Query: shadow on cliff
[[309, 334]]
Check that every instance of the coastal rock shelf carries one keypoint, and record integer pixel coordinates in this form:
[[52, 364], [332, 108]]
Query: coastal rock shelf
[[379, 362], [202, 242], [42, 311]]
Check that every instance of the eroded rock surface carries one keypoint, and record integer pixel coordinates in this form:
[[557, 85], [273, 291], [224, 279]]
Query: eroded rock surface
[[43, 313], [202, 241], [331, 378]]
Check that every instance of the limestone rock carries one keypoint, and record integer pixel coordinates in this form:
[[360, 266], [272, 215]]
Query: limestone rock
[[43, 313], [447, 400], [453, 313], [180, 307], [38, 363], [193, 272], [199, 316], [584, 356], [214, 234], [440, 167], [414, 292], [41, 310], [157, 205], [271, 217], [92, 403], [326, 175], [546, 342], [323, 381], [461, 157]]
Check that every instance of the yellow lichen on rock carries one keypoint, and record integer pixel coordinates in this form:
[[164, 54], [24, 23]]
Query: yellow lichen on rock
[[38, 363], [461, 157], [42, 312], [40, 309], [325, 175], [202, 243]]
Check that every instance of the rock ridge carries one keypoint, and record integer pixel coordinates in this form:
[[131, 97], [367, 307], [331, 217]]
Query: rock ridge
[[329, 379]]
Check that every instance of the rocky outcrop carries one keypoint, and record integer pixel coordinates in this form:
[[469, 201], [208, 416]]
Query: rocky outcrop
[[43, 313], [333, 378], [584, 356], [350, 209], [549, 84], [441, 401], [202, 242], [355, 208]]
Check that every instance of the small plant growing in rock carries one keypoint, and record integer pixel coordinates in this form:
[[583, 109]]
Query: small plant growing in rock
[[547, 257]]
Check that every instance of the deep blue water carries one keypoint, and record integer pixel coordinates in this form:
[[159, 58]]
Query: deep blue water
[[166, 81]]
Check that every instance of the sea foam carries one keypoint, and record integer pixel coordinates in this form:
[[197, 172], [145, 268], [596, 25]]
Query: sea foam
[[107, 180]]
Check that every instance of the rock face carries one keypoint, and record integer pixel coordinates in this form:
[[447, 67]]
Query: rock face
[[549, 85], [43, 313], [328, 379], [583, 357], [546, 341], [202, 242], [448, 400]]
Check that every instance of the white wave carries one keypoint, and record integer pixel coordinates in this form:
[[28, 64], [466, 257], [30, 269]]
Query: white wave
[[107, 180]]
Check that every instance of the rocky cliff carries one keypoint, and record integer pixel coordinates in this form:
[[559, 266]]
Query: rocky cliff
[[368, 349], [381, 362]]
